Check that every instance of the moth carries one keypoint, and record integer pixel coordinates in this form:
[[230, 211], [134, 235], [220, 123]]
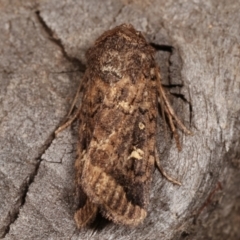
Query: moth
[[117, 118]]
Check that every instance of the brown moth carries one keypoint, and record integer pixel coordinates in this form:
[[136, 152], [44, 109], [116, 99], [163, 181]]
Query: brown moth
[[117, 128]]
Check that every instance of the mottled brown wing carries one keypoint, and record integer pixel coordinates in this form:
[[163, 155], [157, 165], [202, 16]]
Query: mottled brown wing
[[116, 151], [117, 126], [120, 157], [87, 210]]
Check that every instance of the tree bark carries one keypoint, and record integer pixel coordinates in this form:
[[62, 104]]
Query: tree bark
[[43, 46]]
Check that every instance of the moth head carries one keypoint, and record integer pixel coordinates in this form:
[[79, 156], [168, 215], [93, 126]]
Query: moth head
[[126, 31], [121, 51]]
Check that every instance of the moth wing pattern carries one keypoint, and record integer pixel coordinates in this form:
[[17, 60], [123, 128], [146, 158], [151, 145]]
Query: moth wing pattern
[[116, 149], [87, 209]]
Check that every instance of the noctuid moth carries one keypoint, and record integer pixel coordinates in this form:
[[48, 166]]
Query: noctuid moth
[[117, 117]]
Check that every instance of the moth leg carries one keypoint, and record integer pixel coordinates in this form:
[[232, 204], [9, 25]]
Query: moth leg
[[165, 104], [171, 111], [68, 123], [160, 168], [70, 116], [174, 131], [75, 99]]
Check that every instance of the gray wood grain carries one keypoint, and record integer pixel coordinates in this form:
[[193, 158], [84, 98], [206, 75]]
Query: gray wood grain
[[43, 45]]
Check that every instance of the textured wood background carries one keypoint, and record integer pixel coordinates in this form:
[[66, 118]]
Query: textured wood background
[[42, 58]]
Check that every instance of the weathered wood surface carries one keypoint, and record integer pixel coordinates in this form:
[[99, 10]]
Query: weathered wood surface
[[42, 46]]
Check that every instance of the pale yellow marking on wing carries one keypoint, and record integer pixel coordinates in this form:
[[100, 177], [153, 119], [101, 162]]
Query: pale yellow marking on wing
[[141, 126], [137, 153]]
